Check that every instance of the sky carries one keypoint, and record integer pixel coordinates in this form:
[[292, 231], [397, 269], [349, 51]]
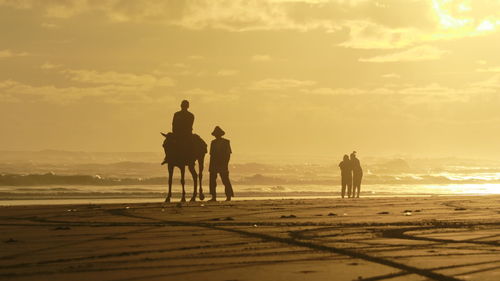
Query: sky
[[281, 77]]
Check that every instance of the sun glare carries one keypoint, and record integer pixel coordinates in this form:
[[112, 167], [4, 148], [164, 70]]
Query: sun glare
[[486, 26], [457, 18], [447, 20]]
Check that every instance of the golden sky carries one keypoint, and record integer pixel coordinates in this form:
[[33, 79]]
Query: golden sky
[[309, 77]]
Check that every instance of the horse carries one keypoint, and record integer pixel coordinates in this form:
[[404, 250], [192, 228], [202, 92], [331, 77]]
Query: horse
[[181, 153]]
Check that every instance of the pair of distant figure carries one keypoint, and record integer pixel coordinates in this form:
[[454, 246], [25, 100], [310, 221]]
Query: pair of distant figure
[[351, 174], [220, 149]]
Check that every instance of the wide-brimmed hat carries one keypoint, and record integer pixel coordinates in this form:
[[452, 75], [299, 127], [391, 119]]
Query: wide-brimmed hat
[[218, 132]]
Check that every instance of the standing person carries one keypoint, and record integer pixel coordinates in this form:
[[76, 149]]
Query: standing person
[[357, 174], [346, 174], [220, 152]]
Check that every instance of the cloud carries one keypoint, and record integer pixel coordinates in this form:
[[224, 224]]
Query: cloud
[[90, 85], [495, 69], [196, 57], [381, 24], [365, 34], [227, 72], [492, 84], [391, 75], [207, 95], [280, 84], [10, 54], [117, 78], [13, 91], [420, 53], [261, 58], [49, 25], [49, 66]]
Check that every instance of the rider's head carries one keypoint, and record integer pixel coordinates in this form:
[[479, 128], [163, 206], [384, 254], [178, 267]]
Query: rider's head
[[184, 104]]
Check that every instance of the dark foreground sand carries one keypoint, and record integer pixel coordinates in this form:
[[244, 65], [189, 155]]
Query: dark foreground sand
[[442, 238]]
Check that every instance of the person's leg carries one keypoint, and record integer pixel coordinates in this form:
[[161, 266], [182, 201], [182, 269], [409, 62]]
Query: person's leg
[[349, 189], [227, 185], [343, 185], [359, 183], [213, 185]]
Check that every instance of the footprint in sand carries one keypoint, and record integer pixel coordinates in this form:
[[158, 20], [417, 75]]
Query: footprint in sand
[[306, 271], [62, 228], [114, 238]]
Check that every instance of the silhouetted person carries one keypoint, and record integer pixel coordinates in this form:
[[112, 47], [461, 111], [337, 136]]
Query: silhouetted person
[[346, 174], [182, 133], [220, 152], [182, 123], [357, 175]]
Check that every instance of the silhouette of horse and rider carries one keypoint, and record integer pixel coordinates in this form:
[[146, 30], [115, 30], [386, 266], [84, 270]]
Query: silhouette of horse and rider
[[183, 148]]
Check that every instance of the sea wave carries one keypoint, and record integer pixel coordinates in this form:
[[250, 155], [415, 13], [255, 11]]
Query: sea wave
[[255, 179]]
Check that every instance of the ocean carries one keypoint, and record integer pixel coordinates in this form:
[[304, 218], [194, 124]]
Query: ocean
[[62, 178]]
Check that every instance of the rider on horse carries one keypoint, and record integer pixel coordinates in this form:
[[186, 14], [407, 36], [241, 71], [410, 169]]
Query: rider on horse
[[182, 124], [180, 141]]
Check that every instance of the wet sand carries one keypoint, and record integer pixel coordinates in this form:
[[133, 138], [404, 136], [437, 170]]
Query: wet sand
[[419, 238]]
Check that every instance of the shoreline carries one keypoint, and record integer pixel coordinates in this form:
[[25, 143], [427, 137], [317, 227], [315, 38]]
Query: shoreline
[[176, 199]]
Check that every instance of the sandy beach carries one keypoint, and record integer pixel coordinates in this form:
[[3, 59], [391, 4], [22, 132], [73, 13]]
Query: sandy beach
[[423, 238]]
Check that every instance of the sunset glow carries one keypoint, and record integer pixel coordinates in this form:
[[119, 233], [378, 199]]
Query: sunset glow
[[283, 77]]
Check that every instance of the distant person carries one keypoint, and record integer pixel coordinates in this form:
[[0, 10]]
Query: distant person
[[346, 175], [357, 175], [220, 152]]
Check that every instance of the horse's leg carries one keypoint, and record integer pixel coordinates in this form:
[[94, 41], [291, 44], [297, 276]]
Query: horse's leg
[[170, 173], [183, 182], [201, 164], [195, 181], [165, 150]]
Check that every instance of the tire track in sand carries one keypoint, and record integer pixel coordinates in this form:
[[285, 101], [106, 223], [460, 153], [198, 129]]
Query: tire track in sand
[[289, 241]]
